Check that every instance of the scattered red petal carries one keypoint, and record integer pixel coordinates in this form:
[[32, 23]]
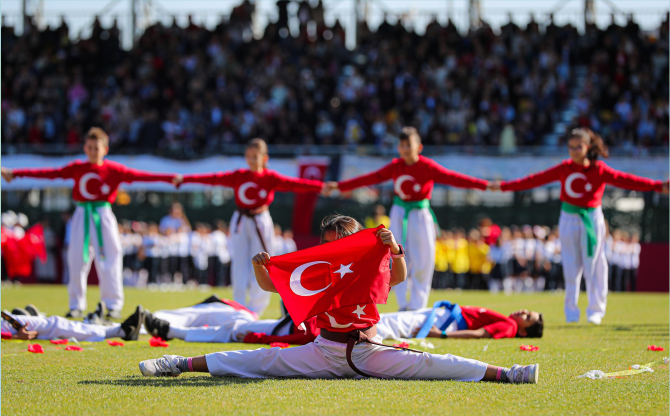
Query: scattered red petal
[[58, 341], [35, 348], [279, 344], [401, 345], [529, 348], [6, 335], [655, 348], [73, 348], [157, 342], [116, 343], [206, 326]]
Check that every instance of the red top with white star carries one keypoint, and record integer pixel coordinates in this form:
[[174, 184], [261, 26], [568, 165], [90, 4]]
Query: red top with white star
[[414, 182], [255, 189], [95, 182], [348, 318], [583, 186]]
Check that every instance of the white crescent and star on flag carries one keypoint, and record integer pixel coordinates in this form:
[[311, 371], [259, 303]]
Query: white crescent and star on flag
[[568, 185], [295, 282]]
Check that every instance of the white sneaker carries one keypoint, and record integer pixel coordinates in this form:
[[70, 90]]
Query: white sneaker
[[524, 374], [594, 320], [160, 367]]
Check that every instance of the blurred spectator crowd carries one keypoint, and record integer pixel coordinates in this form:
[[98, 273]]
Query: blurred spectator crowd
[[522, 258], [183, 91]]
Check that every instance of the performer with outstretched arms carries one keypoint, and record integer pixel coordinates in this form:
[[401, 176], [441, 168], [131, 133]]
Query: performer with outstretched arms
[[96, 183], [251, 228], [581, 225], [412, 220]]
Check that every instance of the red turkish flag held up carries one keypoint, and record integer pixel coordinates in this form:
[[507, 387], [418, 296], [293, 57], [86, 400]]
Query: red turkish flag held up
[[350, 271]]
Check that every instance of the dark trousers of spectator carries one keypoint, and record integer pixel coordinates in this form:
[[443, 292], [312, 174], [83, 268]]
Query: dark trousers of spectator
[[219, 272], [200, 275], [439, 280], [153, 267], [478, 281], [626, 280], [612, 277], [461, 280], [555, 280], [185, 267]]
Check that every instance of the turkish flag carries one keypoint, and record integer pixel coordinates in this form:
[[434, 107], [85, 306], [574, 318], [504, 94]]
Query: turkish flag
[[350, 271], [20, 253]]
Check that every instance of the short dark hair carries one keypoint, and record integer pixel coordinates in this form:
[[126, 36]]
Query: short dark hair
[[408, 132], [341, 225], [535, 330]]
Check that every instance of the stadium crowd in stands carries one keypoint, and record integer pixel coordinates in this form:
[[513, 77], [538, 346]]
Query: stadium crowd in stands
[[190, 90]]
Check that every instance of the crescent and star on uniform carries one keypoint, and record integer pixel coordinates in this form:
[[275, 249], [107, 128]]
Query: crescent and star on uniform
[[242, 193], [397, 186], [83, 183], [568, 185]]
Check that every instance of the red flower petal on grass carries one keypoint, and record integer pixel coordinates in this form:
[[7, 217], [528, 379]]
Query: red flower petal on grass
[[73, 348], [35, 348], [6, 335], [157, 342], [529, 348], [401, 345], [116, 343], [58, 341], [279, 344], [655, 348]]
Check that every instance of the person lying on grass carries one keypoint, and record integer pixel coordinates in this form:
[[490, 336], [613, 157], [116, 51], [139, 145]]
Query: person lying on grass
[[453, 321], [333, 355], [29, 323]]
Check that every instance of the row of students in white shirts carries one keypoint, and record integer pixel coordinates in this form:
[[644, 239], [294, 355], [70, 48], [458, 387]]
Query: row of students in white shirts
[[622, 250], [185, 254]]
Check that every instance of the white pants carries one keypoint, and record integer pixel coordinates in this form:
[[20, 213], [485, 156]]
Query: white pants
[[326, 359], [399, 325], [224, 323], [110, 274], [244, 244], [55, 327], [577, 262], [420, 255]]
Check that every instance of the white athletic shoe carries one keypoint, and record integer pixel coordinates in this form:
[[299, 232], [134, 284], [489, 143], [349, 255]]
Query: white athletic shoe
[[524, 373], [594, 320], [160, 367]]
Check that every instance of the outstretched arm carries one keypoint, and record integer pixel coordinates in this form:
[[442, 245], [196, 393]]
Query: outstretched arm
[[216, 178], [533, 180], [288, 184], [375, 177], [64, 172], [262, 276], [449, 177], [632, 182], [462, 334], [136, 175]]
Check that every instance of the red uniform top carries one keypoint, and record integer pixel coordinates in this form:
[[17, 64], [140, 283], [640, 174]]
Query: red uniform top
[[583, 186], [95, 182], [348, 318], [255, 189], [415, 182], [496, 324]]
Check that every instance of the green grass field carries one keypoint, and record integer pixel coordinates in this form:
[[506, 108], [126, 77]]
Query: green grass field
[[104, 380]]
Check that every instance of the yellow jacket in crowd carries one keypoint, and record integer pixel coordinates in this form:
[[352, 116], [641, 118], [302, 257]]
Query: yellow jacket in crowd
[[461, 260], [478, 252]]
